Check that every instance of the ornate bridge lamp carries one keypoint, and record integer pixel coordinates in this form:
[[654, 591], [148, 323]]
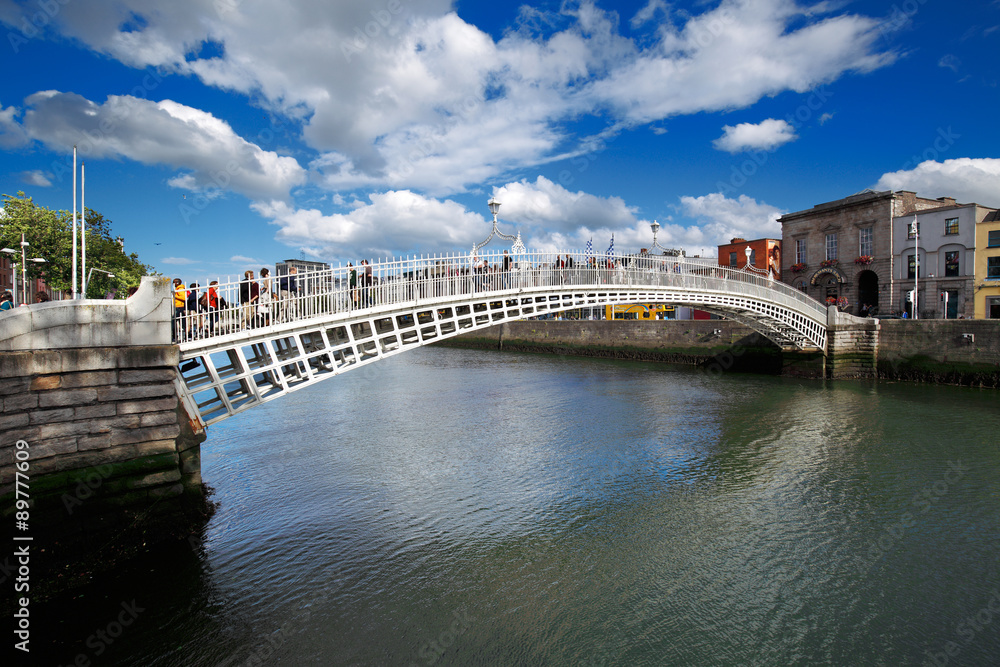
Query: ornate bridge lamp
[[747, 251], [655, 227], [494, 209]]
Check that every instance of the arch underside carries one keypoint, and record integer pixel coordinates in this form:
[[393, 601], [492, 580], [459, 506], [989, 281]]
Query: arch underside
[[229, 374]]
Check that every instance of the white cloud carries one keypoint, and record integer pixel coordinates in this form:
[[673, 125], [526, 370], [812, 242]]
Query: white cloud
[[11, 133], [391, 222], [950, 61], [766, 135], [731, 56], [418, 98], [37, 178], [722, 219], [648, 12], [966, 179], [178, 261], [211, 154]]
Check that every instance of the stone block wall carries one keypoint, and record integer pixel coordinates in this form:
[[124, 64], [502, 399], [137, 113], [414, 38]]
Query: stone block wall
[[852, 350], [110, 448], [945, 351], [718, 345]]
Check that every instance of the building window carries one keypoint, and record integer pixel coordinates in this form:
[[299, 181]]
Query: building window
[[753, 257], [800, 250], [993, 268], [911, 267], [909, 230], [831, 246], [993, 240], [951, 226], [865, 245], [951, 263], [732, 259], [801, 285], [993, 307]]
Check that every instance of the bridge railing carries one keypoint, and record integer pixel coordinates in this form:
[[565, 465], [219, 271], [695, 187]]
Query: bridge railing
[[228, 307]]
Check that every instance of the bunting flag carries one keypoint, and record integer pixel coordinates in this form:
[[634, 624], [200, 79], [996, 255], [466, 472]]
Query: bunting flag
[[590, 247], [611, 248]]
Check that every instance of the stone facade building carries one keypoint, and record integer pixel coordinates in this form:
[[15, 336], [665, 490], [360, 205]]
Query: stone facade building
[[944, 267], [846, 250]]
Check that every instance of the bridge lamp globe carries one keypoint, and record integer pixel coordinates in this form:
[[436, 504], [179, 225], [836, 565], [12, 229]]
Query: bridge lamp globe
[[747, 251], [655, 227], [494, 207]]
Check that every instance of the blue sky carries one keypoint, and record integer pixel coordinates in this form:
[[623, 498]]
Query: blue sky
[[220, 135]]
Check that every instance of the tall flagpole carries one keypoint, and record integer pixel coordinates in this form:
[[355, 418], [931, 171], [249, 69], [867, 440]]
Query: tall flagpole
[[76, 295], [83, 228]]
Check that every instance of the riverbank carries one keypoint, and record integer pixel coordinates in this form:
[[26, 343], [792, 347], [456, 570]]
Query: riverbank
[[958, 352]]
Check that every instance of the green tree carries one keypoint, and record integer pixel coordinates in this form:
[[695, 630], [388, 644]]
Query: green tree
[[50, 235]]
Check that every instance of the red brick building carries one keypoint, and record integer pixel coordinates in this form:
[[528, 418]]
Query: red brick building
[[765, 254]]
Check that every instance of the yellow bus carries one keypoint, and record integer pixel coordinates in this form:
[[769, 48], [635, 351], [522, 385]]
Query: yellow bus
[[640, 311]]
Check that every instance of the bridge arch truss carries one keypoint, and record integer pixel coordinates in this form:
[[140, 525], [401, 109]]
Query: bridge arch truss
[[331, 326]]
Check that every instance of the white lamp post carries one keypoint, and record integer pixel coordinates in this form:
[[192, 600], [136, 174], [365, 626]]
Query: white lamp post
[[747, 251], [24, 269], [90, 273]]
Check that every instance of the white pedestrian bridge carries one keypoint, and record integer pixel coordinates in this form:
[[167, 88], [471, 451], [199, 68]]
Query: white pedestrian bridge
[[235, 355]]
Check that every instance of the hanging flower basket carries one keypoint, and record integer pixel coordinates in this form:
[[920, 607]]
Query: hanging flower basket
[[864, 260], [827, 263], [798, 268]]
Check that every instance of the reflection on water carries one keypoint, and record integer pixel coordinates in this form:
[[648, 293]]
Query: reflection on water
[[458, 507]]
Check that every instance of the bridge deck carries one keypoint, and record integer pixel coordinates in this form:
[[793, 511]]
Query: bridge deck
[[239, 355]]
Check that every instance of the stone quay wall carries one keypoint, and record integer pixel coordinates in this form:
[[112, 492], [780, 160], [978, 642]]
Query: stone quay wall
[[90, 390], [718, 345], [939, 351], [945, 351]]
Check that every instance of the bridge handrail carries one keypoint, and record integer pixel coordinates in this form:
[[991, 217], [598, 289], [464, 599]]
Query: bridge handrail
[[426, 277]]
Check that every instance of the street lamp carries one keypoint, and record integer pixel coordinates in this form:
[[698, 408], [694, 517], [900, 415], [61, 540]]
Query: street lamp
[[13, 283], [747, 251], [90, 273], [24, 268]]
